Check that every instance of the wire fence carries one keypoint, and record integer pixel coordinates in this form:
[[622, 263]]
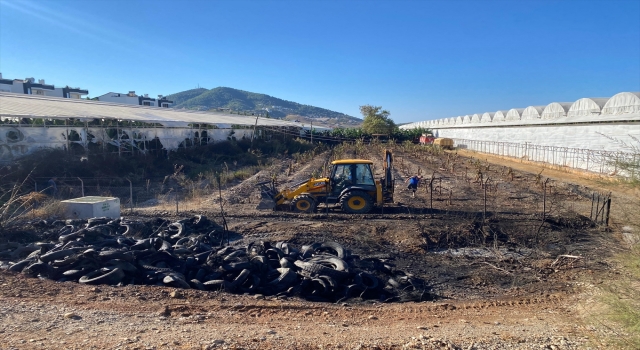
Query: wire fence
[[157, 193], [619, 164]]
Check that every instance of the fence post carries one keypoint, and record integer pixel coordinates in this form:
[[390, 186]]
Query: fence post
[[587, 167], [544, 201], [593, 201], [484, 211], [597, 208], [81, 186], [177, 200], [606, 223], [130, 196]]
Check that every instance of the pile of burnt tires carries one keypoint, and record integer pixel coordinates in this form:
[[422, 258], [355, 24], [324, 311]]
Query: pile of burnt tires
[[189, 254]]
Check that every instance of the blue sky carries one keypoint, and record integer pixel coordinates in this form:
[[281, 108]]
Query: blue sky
[[419, 59]]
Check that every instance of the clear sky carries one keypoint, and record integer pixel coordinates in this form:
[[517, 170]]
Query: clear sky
[[419, 59]]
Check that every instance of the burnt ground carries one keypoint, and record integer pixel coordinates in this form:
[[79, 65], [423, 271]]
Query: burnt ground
[[528, 251]]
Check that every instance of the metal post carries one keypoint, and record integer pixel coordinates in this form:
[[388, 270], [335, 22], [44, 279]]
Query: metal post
[[131, 137], [597, 208], [176, 192], [131, 196], [311, 132], [606, 223], [118, 139], [254, 132], [81, 186], [484, 211], [67, 127], [593, 201], [544, 200], [587, 168]]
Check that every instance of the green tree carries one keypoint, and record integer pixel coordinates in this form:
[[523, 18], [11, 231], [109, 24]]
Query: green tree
[[376, 120]]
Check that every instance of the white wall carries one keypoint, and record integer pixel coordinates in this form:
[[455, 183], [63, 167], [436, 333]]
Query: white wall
[[122, 99], [17, 87], [590, 136], [6, 87], [31, 139]]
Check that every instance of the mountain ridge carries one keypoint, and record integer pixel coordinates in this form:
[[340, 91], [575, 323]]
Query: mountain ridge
[[251, 102]]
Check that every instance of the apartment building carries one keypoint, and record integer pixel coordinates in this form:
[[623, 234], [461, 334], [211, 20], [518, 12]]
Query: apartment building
[[29, 86], [131, 98]]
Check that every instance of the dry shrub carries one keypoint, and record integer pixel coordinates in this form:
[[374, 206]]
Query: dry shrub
[[47, 209], [32, 200]]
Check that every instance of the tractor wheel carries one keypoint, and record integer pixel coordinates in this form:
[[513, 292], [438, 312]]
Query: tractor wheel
[[304, 203], [356, 202]]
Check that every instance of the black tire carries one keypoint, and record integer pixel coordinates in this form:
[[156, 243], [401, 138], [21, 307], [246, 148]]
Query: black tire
[[312, 270], [20, 265], [336, 247], [287, 278], [304, 203], [356, 202], [241, 278], [100, 277], [75, 274], [175, 280], [196, 284], [331, 262], [366, 280], [60, 254], [116, 254], [250, 286], [239, 266], [216, 285], [308, 250]]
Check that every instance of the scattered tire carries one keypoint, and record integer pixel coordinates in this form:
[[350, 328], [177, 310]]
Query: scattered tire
[[103, 277]]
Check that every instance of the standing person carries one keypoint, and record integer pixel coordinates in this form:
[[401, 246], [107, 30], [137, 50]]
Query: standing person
[[413, 184], [52, 186]]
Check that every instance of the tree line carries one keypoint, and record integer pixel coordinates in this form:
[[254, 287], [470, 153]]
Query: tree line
[[376, 124]]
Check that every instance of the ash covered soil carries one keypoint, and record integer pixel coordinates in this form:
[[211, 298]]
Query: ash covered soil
[[496, 273]]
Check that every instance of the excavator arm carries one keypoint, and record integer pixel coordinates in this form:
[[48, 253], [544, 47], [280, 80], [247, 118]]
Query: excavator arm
[[388, 182]]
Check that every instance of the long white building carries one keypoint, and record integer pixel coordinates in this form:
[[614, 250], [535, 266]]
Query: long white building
[[594, 134], [29, 123]]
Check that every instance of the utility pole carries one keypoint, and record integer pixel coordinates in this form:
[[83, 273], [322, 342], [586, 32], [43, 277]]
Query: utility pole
[[312, 132]]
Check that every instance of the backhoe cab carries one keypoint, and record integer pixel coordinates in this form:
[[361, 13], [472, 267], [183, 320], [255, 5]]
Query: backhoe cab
[[351, 185]]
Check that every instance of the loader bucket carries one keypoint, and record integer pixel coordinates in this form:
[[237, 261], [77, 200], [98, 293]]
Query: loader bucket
[[266, 203], [267, 193]]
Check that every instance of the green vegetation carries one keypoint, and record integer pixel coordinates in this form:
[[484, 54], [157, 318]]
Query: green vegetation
[[181, 97], [250, 103], [376, 120], [377, 124]]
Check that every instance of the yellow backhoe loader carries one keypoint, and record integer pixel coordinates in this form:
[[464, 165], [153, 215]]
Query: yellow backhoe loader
[[351, 185]]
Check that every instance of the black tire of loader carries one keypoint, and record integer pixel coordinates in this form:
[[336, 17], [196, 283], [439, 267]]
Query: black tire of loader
[[359, 196], [304, 203]]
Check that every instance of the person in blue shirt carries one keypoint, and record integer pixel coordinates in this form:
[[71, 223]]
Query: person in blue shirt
[[53, 189], [413, 184]]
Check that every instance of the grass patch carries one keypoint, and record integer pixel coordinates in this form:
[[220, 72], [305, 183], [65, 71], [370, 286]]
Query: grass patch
[[622, 298]]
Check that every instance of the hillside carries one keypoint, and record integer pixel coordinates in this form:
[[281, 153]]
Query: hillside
[[250, 102], [181, 97]]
